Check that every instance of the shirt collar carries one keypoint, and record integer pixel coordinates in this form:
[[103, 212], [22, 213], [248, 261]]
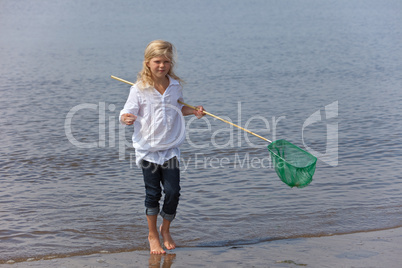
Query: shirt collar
[[173, 81]]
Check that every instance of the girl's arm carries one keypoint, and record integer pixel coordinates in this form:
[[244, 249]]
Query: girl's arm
[[131, 107], [189, 111]]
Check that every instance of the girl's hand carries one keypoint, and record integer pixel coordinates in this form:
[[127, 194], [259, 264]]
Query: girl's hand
[[128, 119], [199, 112]]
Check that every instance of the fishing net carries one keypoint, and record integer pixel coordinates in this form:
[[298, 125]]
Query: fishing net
[[294, 166]]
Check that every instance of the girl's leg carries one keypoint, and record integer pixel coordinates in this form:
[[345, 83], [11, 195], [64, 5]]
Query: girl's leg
[[153, 236], [152, 180], [167, 238], [171, 185], [153, 190]]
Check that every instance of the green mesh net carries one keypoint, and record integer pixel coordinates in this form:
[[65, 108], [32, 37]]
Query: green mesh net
[[294, 166]]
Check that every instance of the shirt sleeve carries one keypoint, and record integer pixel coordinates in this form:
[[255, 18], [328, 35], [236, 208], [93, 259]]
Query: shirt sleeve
[[132, 105]]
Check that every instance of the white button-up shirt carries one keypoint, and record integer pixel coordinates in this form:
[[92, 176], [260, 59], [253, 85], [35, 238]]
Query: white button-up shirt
[[159, 129]]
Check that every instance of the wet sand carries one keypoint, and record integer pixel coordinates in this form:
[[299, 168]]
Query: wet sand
[[365, 249]]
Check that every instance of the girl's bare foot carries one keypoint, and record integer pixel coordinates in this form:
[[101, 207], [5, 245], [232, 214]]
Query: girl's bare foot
[[155, 245], [167, 238]]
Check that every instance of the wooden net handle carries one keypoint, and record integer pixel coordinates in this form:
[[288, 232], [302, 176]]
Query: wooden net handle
[[205, 112]]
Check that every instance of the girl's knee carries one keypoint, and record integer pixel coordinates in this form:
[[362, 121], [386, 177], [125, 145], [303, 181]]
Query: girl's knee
[[173, 191], [152, 199]]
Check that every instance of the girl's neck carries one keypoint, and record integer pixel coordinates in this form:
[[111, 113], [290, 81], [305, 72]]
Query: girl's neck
[[161, 84]]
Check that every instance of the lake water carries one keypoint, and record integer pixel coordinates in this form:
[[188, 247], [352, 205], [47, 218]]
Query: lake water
[[324, 75]]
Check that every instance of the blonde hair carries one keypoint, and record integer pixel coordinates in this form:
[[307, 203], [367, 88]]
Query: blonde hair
[[157, 48]]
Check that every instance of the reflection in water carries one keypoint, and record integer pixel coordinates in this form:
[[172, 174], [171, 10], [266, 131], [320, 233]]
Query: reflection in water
[[155, 260]]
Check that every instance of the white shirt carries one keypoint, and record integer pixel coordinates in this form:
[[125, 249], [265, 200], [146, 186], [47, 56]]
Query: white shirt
[[159, 129]]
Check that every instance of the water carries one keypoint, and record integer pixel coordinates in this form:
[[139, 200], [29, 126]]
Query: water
[[281, 61]]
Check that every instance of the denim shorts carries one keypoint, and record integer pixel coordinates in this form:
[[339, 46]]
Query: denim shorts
[[158, 176]]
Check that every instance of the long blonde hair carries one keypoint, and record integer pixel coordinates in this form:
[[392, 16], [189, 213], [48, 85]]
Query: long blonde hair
[[157, 48]]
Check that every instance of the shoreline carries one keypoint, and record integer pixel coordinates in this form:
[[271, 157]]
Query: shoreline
[[381, 248]]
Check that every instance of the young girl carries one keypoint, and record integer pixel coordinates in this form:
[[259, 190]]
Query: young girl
[[152, 107]]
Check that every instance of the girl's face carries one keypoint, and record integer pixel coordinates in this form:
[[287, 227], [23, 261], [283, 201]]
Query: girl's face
[[159, 67]]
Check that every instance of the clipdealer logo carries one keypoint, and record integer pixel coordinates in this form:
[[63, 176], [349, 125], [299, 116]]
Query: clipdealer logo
[[330, 111], [108, 124]]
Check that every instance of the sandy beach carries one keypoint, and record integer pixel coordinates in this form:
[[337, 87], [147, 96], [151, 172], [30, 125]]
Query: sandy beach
[[381, 248]]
